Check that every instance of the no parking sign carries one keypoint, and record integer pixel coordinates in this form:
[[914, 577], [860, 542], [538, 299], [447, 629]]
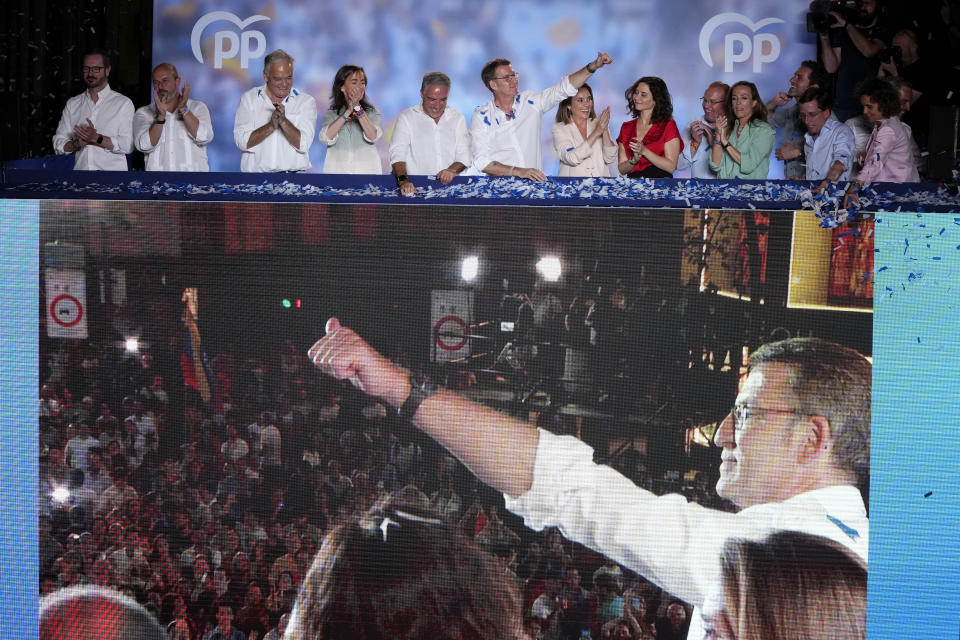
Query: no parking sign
[[66, 303], [451, 313]]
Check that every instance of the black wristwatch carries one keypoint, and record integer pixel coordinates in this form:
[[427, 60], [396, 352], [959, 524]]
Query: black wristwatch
[[401, 179], [420, 389], [99, 140]]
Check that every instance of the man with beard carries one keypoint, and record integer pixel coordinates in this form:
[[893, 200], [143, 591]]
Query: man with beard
[[96, 125], [809, 74], [173, 131]]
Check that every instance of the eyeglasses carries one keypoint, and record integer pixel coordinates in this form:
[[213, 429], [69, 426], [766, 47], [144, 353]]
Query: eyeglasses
[[91, 69], [509, 77], [706, 101], [743, 412]]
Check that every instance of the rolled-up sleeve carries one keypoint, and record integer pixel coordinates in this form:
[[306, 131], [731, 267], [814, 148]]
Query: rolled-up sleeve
[[122, 136], [402, 137], [305, 120], [551, 96], [205, 126], [243, 123], [142, 120], [375, 117], [328, 119], [65, 128], [480, 135], [843, 148], [462, 154], [877, 155]]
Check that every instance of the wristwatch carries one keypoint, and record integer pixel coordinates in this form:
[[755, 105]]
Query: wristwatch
[[420, 389], [100, 139]]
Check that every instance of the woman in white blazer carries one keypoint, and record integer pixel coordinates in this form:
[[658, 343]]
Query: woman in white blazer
[[582, 139]]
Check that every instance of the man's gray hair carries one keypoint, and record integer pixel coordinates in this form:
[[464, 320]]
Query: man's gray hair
[[168, 65], [434, 77], [832, 381], [95, 613], [276, 56]]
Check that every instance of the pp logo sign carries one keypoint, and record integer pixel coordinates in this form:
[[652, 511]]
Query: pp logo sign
[[228, 44], [741, 47]]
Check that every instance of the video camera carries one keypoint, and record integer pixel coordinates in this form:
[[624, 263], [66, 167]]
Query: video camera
[[819, 19]]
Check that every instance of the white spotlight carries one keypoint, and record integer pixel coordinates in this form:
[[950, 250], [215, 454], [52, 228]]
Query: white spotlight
[[469, 268], [60, 495], [550, 268], [132, 345]]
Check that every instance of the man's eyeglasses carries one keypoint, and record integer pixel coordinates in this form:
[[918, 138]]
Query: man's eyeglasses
[[509, 77], [91, 69], [743, 412], [707, 101]]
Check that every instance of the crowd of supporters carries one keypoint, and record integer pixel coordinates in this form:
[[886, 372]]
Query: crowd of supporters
[[206, 511]]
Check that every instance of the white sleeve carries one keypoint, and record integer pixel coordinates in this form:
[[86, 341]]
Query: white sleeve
[[400, 143], [243, 123], [205, 128], [305, 120], [669, 541], [123, 135], [142, 120]]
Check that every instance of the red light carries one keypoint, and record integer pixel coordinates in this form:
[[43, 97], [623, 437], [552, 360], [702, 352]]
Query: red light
[[298, 303]]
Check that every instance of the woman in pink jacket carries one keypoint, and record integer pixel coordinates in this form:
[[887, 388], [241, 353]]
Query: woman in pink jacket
[[889, 155]]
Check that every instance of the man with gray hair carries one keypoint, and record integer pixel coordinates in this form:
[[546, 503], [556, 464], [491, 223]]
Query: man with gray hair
[[429, 139], [796, 456], [95, 613], [174, 130], [275, 122]]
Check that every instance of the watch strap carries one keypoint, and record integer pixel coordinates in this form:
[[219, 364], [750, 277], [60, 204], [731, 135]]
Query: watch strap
[[420, 390]]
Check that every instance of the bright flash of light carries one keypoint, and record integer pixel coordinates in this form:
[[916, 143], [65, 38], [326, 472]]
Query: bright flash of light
[[470, 268], [550, 268]]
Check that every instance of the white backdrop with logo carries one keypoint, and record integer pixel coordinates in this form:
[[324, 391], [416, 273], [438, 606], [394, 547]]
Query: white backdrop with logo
[[219, 47]]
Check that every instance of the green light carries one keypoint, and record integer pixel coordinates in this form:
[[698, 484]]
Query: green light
[[286, 303]]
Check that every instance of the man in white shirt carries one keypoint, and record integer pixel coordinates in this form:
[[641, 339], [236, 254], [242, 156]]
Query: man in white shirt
[[828, 143], [505, 132], [698, 134], [429, 139], [96, 125], [75, 454], [173, 131], [275, 122], [796, 449]]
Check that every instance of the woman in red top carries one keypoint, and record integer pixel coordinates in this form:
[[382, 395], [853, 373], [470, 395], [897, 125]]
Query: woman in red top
[[650, 144]]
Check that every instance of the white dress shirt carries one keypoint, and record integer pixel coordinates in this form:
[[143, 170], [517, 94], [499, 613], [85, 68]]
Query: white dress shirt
[[516, 141], [426, 146], [577, 158], [671, 542], [698, 162], [176, 150], [274, 153], [112, 116]]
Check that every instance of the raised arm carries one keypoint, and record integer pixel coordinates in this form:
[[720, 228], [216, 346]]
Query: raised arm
[[577, 78], [498, 449]]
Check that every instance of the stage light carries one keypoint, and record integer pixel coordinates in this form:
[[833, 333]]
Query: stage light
[[60, 495], [550, 268], [470, 268], [132, 345], [286, 303]]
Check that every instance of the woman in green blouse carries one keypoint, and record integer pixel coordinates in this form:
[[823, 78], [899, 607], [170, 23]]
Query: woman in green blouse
[[742, 149]]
